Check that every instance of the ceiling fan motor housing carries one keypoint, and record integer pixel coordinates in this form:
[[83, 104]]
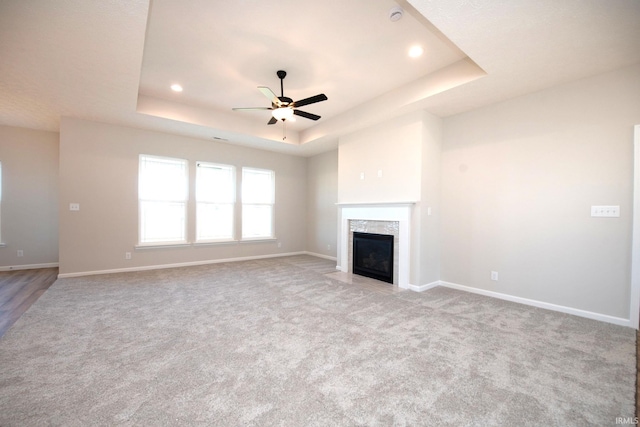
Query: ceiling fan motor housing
[[285, 101]]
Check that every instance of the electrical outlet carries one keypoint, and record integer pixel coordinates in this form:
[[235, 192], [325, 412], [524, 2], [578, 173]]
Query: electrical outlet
[[20, 252], [74, 206], [127, 255], [328, 247], [279, 244], [494, 276]]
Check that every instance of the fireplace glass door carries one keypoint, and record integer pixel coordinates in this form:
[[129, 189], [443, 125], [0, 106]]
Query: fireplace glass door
[[373, 256]]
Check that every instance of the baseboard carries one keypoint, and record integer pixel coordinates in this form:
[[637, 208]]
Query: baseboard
[[176, 265], [422, 288], [29, 266], [332, 258], [540, 304]]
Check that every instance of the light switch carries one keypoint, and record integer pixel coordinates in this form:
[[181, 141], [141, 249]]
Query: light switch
[[605, 211], [74, 206]]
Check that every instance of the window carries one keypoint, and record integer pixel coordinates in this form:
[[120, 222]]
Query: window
[[162, 192], [215, 200], [258, 188]]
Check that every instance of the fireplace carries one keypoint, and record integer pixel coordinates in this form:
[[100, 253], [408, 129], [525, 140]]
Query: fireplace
[[392, 218], [373, 255]]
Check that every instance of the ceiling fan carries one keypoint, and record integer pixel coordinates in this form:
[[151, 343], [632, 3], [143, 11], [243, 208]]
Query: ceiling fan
[[283, 108]]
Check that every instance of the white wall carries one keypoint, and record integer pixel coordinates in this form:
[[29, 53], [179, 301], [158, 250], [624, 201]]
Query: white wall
[[29, 216], [99, 170], [518, 180], [322, 196], [407, 152], [392, 147]]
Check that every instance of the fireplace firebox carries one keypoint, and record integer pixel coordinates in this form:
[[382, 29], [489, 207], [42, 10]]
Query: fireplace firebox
[[373, 255]]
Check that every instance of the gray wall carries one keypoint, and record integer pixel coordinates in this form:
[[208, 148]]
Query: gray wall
[[322, 196], [430, 204], [99, 170], [29, 217], [518, 181]]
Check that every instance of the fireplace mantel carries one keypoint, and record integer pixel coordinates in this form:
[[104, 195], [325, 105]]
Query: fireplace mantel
[[378, 211]]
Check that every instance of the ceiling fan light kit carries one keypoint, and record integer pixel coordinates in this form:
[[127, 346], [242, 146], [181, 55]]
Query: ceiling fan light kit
[[284, 108], [283, 113]]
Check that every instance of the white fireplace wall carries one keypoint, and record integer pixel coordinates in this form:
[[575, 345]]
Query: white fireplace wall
[[395, 161], [381, 163]]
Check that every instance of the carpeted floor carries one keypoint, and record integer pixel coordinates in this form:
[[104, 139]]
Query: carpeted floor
[[280, 342]]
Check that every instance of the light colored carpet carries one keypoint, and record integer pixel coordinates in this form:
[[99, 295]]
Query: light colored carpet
[[278, 342]]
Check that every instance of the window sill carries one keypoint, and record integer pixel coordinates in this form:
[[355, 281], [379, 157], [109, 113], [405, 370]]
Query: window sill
[[215, 242], [259, 240], [145, 246], [161, 245]]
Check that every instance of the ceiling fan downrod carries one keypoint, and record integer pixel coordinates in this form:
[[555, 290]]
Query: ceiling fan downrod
[[281, 75]]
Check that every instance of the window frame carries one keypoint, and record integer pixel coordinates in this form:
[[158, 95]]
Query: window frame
[[184, 202], [232, 203], [271, 204]]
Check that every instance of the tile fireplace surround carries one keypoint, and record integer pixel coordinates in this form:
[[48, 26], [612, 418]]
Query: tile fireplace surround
[[392, 218]]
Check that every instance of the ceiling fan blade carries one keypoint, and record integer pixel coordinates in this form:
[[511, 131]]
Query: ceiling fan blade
[[252, 108], [273, 121], [306, 115], [311, 100], [269, 94]]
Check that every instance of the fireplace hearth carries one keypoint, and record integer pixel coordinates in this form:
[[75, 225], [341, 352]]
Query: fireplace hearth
[[373, 255]]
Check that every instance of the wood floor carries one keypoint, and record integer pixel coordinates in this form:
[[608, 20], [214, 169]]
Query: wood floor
[[21, 288]]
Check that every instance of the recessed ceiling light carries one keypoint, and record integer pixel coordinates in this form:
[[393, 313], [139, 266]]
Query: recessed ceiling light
[[176, 88], [416, 51]]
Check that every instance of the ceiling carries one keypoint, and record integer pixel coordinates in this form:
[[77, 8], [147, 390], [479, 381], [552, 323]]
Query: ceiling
[[114, 61]]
